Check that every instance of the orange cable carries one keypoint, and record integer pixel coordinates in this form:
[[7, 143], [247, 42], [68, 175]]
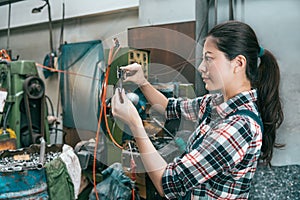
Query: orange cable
[[97, 141], [102, 113], [95, 153], [105, 118], [133, 195], [133, 177], [63, 71], [4, 55], [102, 97]]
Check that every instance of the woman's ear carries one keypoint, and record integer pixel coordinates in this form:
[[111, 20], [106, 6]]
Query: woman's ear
[[239, 63]]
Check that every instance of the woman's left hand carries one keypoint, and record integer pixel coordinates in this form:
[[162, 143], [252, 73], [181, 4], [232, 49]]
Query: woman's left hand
[[125, 110]]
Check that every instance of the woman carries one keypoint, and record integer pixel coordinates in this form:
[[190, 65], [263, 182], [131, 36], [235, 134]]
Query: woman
[[223, 152]]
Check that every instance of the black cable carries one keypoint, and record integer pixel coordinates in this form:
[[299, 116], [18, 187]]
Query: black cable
[[64, 134], [51, 105], [6, 117]]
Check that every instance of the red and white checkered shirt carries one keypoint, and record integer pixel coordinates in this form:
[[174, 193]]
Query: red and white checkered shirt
[[222, 153]]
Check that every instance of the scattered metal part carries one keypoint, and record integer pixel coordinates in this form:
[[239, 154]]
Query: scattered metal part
[[120, 76], [42, 150], [9, 164]]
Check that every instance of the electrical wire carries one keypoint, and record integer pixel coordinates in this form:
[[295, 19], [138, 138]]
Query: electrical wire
[[104, 89], [64, 71], [133, 167], [104, 110], [97, 139], [103, 113], [95, 154], [51, 105]]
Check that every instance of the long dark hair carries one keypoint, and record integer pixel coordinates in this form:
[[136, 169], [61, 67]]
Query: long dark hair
[[235, 38]]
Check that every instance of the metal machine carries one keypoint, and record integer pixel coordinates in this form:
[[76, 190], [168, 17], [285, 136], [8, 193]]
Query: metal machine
[[23, 113]]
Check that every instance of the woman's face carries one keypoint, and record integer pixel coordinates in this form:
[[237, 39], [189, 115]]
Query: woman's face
[[216, 70]]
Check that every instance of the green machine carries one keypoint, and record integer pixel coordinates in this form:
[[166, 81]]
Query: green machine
[[23, 113]]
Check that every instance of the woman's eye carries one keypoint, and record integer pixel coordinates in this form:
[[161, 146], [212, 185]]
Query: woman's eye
[[207, 58]]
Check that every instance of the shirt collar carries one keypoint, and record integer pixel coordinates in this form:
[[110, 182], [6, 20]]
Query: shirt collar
[[231, 105]]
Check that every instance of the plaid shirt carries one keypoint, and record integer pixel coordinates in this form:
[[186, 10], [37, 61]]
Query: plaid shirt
[[222, 153]]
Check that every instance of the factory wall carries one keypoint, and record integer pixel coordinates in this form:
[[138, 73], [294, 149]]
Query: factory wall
[[277, 25], [156, 12]]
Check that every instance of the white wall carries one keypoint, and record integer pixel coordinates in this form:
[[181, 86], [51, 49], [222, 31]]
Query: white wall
[[21, 11], [155, 12], [278, 30]]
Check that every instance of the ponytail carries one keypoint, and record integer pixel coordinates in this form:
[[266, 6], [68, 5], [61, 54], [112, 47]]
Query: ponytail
[[237, 38], [269, 103]]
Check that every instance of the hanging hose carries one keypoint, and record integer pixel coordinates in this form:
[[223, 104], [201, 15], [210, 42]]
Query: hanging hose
[[103, 113], [104, 109]]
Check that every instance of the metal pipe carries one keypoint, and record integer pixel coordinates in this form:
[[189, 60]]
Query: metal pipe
[[230, 10], [50, 27], [216, 12], [61, 39], [42, 151], [164, 128], [243, 10], [39, 9], [8, 28], [202, 7]]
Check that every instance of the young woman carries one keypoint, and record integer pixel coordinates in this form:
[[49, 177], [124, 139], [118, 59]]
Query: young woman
[[223, 152]]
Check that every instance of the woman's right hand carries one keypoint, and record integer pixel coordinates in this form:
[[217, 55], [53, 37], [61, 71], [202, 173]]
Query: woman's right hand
[[125, 111], [134, 73]]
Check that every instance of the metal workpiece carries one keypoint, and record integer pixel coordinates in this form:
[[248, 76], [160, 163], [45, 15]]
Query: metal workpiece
[[33, 157], [42, 150], [10, 164]]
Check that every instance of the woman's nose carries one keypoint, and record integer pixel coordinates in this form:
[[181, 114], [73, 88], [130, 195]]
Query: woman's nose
[[202, 67]]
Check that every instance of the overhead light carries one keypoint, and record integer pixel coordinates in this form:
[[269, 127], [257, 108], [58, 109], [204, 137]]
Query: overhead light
[[38, 9]]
